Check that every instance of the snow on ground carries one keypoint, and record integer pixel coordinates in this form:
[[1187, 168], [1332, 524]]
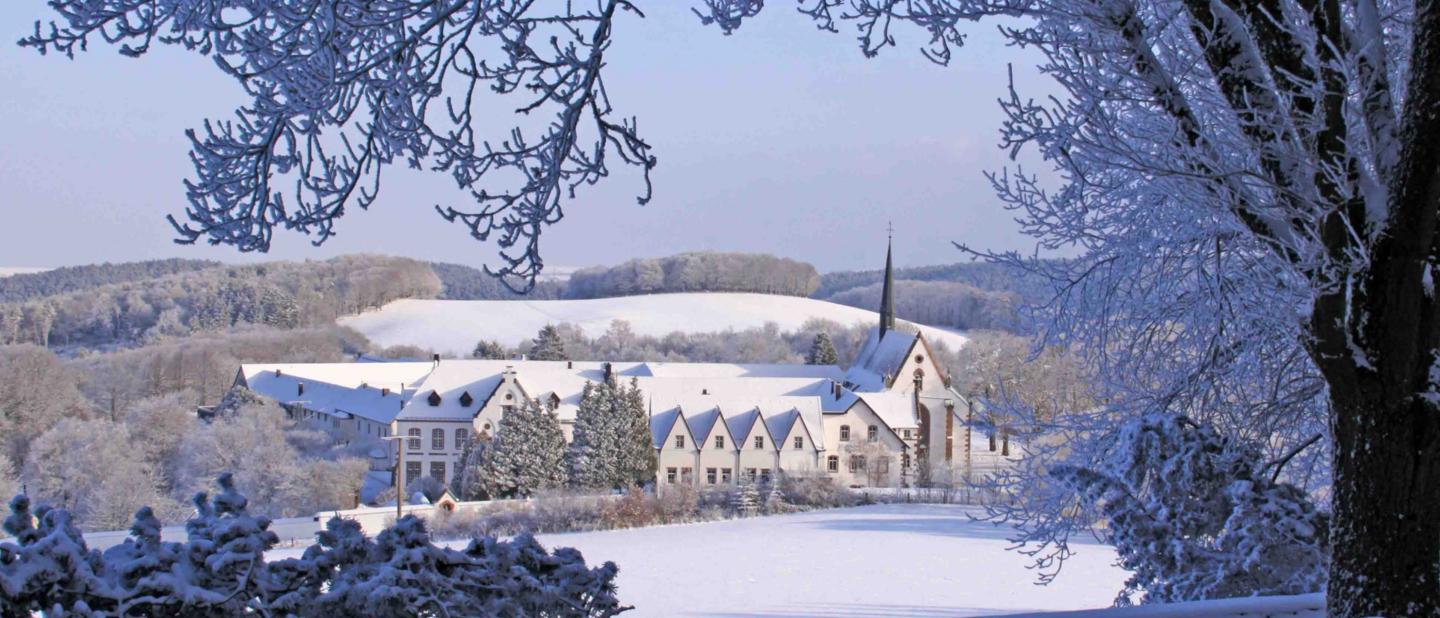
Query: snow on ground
[[909, 560], [884, 560], [6, 271], [453, 326]]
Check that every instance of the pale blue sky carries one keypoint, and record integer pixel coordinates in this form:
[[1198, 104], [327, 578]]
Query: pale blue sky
[[780, 138]]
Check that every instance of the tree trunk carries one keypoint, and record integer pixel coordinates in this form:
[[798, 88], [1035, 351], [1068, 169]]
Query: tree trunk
[[1385, 536]]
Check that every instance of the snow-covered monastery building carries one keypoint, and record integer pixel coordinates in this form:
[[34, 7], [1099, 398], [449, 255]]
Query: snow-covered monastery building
[[712, 423]]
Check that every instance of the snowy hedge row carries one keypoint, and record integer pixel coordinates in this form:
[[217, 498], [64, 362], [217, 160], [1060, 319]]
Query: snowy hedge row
[[221, 571]]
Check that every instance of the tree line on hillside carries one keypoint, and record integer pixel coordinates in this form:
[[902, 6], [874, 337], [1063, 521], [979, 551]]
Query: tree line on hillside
[[696, 272], [26, 286], [941, 303], [276, 294]]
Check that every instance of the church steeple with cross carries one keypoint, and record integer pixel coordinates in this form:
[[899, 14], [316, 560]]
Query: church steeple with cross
[[887, 294]]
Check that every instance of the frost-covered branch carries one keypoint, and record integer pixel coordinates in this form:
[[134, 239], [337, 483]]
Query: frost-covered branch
[[341, 90]]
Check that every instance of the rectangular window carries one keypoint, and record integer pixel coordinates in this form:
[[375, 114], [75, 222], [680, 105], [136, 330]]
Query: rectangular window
[[710, 476], [832, 463], [907, 434], [687, 476], [725, 476], [679, 441], [844, 433], [412, 442], [462, 438], [670, 475], [719, 441], [799, 442], [759, 442], [437, 439], [883, 465], [412, 472], [857, 463], [765, 476], [752, 473], [437, 471]]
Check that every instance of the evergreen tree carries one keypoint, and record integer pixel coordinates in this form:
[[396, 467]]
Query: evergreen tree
[[775, 500], [590, 455], [637, 457], [611, 447], [526, 455], [822, 351], [489, 350], [746, 500], [548, 345]]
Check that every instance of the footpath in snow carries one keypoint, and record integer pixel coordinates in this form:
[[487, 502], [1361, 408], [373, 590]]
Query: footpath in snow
[[905, 560]]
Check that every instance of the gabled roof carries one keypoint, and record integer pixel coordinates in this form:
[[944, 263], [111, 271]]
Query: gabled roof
[[704, 423], [897, 410], [880, 357], [448, 381], [661, 424], [741, 424]]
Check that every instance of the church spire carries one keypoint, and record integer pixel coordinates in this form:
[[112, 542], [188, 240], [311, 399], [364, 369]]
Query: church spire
[[887, 295]]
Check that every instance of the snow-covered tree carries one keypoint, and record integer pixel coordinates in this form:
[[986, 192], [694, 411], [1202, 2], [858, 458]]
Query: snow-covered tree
[[220, 570], [822, 351], [775, 501], [548, 345], [1194, 515], [92, 469], [526, 455], [36, 391], [611, 445], [1250, 186], [303, 150], [9, 482], [745, 500]]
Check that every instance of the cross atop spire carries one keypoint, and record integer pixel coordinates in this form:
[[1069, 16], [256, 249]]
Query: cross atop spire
[[889, 231], [887, 294]]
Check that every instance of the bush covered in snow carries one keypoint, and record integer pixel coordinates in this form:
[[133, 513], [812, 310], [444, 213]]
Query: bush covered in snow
[[221, 570], [1195, 515]]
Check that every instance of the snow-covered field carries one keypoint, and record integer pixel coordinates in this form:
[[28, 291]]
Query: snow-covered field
[[6, 271], [908, 560], [453, 326], [883, 560]]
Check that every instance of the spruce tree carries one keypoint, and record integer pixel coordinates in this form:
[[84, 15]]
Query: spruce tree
[[589, 464], [548, 345], [822, 351], [526, 455], [637, 457]]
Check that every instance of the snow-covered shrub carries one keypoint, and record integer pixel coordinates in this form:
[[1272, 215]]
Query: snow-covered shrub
[[221, 571], [745, 501], [1195, 515], [815, 491], [678, 504]]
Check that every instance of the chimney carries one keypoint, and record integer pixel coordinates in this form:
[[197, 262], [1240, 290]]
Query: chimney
[[277, 373], [835, 389], [569, 364], [609, 370], [384, 392], [299, 389]]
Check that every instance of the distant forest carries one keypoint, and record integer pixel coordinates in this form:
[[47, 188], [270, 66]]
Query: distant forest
[[22, 287], [111, 307], [967, 296]]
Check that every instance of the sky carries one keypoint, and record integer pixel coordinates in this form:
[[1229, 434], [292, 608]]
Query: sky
[[780, 139]]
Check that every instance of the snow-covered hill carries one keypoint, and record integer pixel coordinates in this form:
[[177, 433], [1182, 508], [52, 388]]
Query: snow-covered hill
[[6, 271], [454, 326]]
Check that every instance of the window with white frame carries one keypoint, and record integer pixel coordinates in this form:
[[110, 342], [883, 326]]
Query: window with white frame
[[725, 476], [857, 463], [872, 434], [844, 433], [719, 441], [799, 442], [437, 439], [413, 441], [710, 475], [832, 463], [670, 475], [679, 441], [462, 438], [759, 442]]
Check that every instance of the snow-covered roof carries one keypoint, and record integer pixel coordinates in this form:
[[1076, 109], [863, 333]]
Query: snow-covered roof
[[661, 424], [451, 381], [374, 403], [703, 422], [897, 410], [741, 424], [878, 358], [739, 370]]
